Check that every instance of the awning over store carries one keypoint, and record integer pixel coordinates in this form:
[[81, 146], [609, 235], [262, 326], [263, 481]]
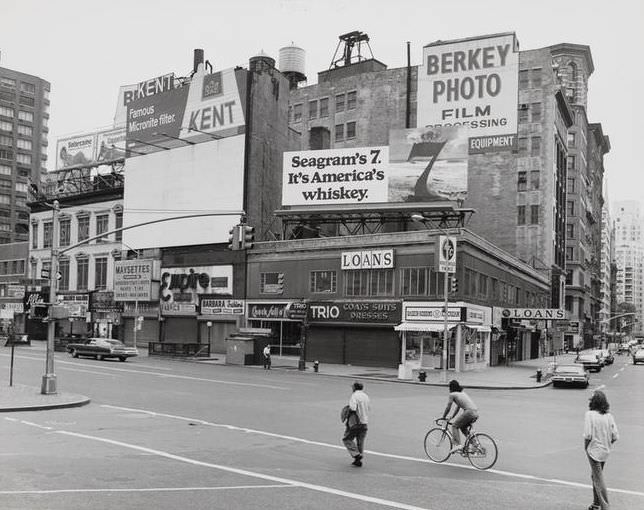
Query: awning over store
[[424, 326], [477, 327]]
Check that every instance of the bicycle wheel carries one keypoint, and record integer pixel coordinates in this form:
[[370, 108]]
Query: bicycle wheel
[[481, 451], [438, 444]]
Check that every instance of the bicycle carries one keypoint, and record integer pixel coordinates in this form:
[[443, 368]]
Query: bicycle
[[480, 449]]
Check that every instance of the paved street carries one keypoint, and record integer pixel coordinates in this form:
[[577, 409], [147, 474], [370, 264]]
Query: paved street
[[163, 434]]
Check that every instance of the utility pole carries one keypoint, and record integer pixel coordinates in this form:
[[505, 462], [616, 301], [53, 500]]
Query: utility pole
[[49, 378]]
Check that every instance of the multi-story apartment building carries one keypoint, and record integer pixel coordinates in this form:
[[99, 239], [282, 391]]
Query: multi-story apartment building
[[606, 261], [24, 114], [629, 257]]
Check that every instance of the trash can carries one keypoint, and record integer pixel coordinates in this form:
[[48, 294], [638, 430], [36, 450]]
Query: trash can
[[539, 375]]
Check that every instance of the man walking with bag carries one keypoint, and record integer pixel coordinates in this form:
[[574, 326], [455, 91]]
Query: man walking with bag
[[356, 424]]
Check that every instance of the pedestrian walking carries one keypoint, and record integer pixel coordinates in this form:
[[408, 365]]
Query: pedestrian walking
[[356, 423], [600, 432], [267, 357]]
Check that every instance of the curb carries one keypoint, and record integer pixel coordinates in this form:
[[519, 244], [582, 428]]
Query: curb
[[45, 407]]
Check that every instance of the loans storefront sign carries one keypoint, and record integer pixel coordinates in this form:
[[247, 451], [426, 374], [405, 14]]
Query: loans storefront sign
[[133, 280], [419, 165], [372, 312], [367, 259], [534, 313], [472, 82]]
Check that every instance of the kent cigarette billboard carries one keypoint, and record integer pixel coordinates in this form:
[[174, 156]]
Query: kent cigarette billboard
[[474, 83], [419, 165]]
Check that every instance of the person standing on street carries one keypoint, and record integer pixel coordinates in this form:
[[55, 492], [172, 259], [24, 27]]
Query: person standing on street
[[470, 414], [267, 357], [356, 425], [600, 432]]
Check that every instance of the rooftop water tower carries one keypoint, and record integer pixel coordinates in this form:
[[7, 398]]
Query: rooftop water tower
[[291, 62]]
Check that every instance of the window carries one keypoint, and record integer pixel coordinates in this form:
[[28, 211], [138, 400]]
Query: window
[[27, 88], [63, 269], [339, 132], [483, 285], [34, 236], [7, 112], [535, 109], [82, 271], [523, 114], [47, 234], [297, 112], [8, 82], [369, 282], [536, 78], [521, 215], [25, 130], [323, 282], [24, 159], [535, 179], [5, 185], [118, 236], [351, 100], [570, 207], [535, 149], [524, 79], [569, 253], [6, 140], [571, 139], [522, 181], [413, 281], [100, 273], [534, 214], [45, 121], [4, 199], [570, 163], [24, 144], [324, 107], [570, 231], [26, 116], [5, 170], [523, 144], [313, 109], [271, 283], [570, 188], [101, 226], [65, 232], [83, 228], [351, 130], [339, 103], [6, 126], [26, 101]]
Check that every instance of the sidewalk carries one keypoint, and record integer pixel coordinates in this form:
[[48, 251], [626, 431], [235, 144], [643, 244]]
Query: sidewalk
[[28, 398]]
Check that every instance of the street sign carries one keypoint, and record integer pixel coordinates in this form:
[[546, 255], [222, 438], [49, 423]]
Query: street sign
[[59, 275], [446, 254], [44, 273]]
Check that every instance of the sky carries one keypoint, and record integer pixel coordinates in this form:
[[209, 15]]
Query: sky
[[87, 49]]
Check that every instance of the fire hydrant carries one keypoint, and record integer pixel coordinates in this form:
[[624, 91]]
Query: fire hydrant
[[539, 375], [316, 366], [422, 375]]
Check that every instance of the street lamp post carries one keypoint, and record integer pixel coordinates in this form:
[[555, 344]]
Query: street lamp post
[[48, 386]]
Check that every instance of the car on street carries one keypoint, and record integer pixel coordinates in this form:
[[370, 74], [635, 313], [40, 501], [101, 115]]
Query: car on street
[[606, 356], [590, 362], [638, 356], [570, 375], [102, 348]]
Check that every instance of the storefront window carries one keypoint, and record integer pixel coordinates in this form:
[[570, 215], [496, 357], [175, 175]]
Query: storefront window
[[474, 346]]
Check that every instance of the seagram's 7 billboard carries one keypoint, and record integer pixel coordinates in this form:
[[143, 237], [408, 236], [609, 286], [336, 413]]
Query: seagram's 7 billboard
[[474, 83], [419, 165]]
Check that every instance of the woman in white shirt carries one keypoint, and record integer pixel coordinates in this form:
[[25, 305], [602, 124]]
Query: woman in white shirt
[[600, 432]]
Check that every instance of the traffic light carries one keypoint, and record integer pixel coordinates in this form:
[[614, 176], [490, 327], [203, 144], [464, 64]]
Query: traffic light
[[234, 241], [247, 234], [454, 285]]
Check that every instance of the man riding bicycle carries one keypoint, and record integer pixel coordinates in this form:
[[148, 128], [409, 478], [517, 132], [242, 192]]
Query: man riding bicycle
[[470, 413]]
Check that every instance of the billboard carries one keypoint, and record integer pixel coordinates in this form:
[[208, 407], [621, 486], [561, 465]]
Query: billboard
[[110, 144], [419, 165], [187, 180], [75, 150], [475, 83], [207, 108], [146, 88], [181, 287], [133, 280]]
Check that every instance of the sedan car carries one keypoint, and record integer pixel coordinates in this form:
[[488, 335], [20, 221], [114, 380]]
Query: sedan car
[[638, 356], [608, 357], [101, 348], [573, 375], [590, 362]]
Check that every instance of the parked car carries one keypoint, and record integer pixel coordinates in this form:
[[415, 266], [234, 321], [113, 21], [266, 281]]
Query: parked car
[[590, 362], [638, 356], [607, 354], [573, 375], [101, 348], [600, 356]]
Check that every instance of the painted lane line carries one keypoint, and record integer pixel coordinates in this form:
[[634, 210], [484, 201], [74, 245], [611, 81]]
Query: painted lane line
[[615, 376], [371, 452], [31, 424], [80, 363], [244, 472], [151, 489], [622, 369], [601, 387]]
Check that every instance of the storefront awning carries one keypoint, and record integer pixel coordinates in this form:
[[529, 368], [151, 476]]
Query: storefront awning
[[424, 326], [477, 327]]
